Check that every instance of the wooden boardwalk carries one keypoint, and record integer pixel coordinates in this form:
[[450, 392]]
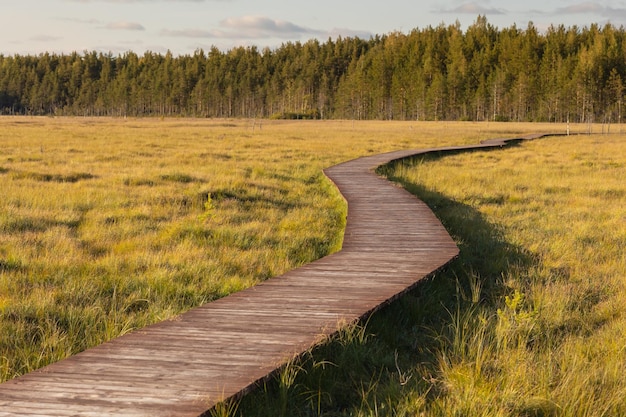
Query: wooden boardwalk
[[184, 366]]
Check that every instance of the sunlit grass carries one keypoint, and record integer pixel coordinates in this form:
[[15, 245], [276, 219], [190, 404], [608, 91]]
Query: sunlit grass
[[553, 336], [548, 338], [529, 321], [107, 225]]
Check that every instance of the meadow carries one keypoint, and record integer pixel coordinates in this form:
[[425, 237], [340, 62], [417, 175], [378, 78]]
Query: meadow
[[528, 321], [107, 225]]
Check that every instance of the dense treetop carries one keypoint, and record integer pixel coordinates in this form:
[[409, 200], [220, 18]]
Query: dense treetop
[[435, 73]]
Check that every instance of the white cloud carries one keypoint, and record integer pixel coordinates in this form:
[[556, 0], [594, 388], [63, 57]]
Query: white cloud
[[581, 8], [124, 26], [249, 27], [264, 27], [472, 8], [261, 27], [590, 8]]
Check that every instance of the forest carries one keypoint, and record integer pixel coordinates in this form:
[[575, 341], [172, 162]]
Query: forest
[[434, 73]]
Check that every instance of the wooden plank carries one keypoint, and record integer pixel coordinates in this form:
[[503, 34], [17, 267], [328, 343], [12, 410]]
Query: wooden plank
[[184, 366]]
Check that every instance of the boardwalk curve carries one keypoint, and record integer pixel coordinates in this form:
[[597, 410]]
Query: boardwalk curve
[[184, 366]]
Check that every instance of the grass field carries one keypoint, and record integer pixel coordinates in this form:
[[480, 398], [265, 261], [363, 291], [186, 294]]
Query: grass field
[[107, 225], [529, 321], [540, 329]]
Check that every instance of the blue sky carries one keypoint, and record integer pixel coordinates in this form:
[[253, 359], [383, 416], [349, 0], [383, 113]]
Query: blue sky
[[182, 26]]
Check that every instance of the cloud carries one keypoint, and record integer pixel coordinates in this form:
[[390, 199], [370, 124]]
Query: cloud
[[580, 8], [264, 27], [124, 26], [588, 10], [261, 27], [591, 8], [247, 27], [472, 8]]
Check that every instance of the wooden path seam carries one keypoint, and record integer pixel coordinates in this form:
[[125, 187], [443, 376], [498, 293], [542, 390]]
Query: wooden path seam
[[185, 366]]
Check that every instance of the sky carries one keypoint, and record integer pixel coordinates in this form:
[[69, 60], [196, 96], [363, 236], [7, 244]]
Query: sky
[[31, 27]]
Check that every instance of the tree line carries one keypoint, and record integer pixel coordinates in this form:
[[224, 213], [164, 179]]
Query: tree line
[[434, 73]]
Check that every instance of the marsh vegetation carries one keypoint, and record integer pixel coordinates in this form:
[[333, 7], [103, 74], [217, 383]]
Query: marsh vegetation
[[529, 321], [107, 225]]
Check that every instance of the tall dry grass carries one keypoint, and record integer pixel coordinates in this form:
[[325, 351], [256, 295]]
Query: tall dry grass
[[107, 225], [548, 337], [529, 321]]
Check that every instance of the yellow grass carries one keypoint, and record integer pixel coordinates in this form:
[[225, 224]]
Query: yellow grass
[[549, 337], [107, 225], [529, 321]]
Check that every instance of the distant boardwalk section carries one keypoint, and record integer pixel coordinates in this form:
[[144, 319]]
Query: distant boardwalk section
[[183, 367]]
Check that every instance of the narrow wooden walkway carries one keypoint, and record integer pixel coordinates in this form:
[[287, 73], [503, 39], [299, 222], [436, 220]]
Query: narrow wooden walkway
[[183, 367]]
